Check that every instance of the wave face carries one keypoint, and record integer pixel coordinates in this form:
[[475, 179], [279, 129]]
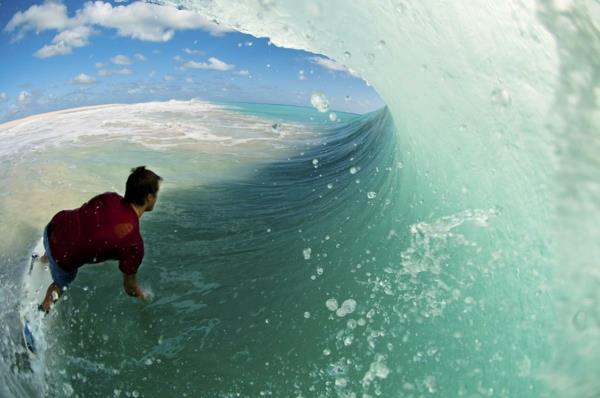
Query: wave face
[[496, 104]]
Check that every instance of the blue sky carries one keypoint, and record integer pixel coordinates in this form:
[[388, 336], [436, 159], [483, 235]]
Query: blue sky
[[58, 55]]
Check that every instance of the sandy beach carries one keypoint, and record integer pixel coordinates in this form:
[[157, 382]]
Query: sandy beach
[[41, 116]]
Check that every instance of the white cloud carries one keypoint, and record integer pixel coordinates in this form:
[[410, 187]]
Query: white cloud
[[301, 75], [189, 80], [100, 65], [3, 97], [120, 60], [24, 97], [145, 21], [242, 72], [332, 65], [64, 42], [178, 58], [212, 64], [168, 78], [82, 78], [49, 15], [193, 52], [139, 20], [111, 72], [139, 56]]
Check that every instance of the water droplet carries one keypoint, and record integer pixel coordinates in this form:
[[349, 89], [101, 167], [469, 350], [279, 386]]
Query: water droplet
[[381, 370], [400, 7], [332, 116], [371, 195], [331, 304], [347, 307], [306, 253], [353, 170], [319, 271], [329, 186], [341, 382], [347, 98], [381, 44], [315, 162], [501, 97], [307, 314], [326, 352], [347, 54], [429, 383], [580, 320], [319, 101]]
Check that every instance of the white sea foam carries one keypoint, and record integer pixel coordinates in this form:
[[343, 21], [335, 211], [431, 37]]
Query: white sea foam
[[155, 125]]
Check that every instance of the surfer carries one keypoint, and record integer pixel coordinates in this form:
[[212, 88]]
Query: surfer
[[104, 228]]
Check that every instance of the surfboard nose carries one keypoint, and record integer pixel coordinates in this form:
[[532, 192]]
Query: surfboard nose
[[29, 341]]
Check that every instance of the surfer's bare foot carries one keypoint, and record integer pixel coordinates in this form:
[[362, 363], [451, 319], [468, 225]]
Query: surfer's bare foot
[[52, 295]]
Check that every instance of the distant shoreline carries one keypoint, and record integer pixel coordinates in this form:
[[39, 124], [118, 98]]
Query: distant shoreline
[[41, 116]]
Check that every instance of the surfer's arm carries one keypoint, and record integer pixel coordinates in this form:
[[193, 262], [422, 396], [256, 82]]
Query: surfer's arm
[[131, 286]]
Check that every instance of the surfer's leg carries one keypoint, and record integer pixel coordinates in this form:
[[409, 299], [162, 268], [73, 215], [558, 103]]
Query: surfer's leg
[[52, 294], [44, 259]]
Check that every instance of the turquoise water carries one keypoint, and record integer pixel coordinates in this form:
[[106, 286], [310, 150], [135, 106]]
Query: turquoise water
[[311, 268]]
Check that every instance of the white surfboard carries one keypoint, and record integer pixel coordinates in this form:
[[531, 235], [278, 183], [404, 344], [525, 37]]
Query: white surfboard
[[36, 280]]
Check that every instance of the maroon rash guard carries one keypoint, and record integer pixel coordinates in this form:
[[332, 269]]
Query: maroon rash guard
[[105, 228]]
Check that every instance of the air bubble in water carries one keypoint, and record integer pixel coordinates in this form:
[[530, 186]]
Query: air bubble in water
[[371, 195], [329, 186], [319, 101], [306, 253], [307, 314], [400, 7], [381, 44], [580, 320], [332, 116], [501, 97], [341, 382], [347, 307], [381, 371], [347, 54], [331, 304], [353, 170]]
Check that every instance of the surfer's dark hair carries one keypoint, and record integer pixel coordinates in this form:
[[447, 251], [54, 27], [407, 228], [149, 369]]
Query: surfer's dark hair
[[140, 183]]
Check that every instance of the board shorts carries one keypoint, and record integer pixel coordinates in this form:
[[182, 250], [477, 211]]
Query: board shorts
[[61, 277]]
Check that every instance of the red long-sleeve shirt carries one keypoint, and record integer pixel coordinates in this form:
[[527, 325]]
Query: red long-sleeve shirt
[[104, 228]]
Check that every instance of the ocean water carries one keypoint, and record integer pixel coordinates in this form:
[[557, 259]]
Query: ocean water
[[445, 245]]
